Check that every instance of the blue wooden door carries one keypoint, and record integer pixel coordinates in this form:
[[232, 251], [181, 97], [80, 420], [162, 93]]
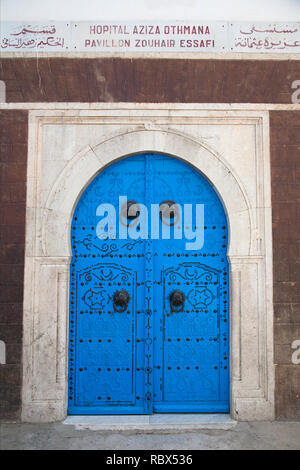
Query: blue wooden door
[[148, 317], [191, 358]]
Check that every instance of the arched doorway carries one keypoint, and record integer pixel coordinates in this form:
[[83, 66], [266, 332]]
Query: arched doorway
[[149, 312]]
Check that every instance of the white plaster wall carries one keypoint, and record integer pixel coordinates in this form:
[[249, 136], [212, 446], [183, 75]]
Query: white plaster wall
[[256, 10]]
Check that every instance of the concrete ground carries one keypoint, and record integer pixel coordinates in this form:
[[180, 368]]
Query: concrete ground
[[259, 435]]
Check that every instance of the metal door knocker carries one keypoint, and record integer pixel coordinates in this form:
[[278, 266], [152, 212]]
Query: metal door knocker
[[177, 299], [120, 301], [169, 213], [129, 214]]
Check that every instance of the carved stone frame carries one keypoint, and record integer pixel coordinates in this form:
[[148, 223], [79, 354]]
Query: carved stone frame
[[132, 129]]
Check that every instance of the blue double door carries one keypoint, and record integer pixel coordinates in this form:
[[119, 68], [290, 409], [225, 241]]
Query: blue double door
[[149, 302]]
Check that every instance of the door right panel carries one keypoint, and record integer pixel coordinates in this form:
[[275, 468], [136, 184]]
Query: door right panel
[[191, 301]]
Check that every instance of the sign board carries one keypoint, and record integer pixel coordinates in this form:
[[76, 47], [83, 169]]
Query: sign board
[[178, 36]]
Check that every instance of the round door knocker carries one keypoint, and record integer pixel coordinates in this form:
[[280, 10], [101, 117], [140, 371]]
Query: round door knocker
[[120, 301], [129, 214], [169, 213], [177, 299]]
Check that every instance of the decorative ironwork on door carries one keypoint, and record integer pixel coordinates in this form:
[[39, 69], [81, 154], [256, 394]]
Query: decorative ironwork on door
[[149, 318]]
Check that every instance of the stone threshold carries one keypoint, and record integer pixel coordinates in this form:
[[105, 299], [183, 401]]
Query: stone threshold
[[151, 423]]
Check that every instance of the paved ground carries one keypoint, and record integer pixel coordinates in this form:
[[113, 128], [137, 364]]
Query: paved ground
[[263, 435]]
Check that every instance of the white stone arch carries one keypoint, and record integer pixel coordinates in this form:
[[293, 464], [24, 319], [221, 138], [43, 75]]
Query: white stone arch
[[246, 199], [88, 163]]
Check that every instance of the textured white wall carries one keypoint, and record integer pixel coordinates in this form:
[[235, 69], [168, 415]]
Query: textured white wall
[[253, 10]]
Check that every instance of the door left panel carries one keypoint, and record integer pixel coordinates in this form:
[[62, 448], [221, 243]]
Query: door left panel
[[106, 355]]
